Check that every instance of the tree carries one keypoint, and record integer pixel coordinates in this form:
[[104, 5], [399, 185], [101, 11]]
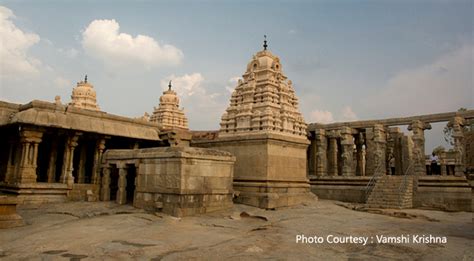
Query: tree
[[448, 131], [438, 150]]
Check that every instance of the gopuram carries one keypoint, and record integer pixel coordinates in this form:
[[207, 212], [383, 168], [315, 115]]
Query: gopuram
[[264, 154], [168, 113], [264, 130]]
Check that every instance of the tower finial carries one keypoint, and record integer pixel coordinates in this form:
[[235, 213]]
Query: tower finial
[[169, 86], [265, 42], [85, 78]]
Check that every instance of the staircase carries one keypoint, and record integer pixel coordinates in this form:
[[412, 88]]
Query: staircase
[[392, 192]]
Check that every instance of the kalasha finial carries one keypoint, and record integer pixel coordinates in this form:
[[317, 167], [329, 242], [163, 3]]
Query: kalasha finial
[[85, 78], [169, 86], [265, 42]]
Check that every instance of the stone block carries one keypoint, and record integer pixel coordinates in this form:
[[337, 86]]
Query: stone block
[[8, 216], [180, 181], [270, 169]]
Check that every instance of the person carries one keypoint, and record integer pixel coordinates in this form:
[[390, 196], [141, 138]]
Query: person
[[434, 164], [391, 164]]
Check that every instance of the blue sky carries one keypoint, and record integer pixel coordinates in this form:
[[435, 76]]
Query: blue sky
[[348, 60]]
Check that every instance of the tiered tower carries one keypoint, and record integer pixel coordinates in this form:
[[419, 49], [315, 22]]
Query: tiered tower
[[84, 96], [263, 129], [263, 102], [168, 113]]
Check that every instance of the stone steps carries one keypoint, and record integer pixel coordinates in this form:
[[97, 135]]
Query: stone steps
[[392, 192]]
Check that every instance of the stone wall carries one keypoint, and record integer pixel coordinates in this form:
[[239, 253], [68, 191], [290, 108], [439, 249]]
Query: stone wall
[[469, 139], [270, 170], [84, 192], [446, 193], [181, 181], [443, 193]]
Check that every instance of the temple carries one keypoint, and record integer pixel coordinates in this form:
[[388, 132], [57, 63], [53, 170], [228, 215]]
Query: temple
[[264, 154], [168, 113], [84, 96], [263, 102], [263, 128]]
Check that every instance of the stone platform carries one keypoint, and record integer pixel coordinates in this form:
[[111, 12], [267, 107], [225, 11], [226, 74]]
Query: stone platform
[[270, 170], [8, 216], [180, 181], [37, 193], [343, 188], [432, 192]]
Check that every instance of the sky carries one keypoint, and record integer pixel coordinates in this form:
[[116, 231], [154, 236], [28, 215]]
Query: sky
[[348, 60]]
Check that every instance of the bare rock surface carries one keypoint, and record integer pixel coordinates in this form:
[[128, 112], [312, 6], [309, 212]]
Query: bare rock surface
[[98, 231]]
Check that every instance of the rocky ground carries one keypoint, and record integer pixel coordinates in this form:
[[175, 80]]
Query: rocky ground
[[87, 231]]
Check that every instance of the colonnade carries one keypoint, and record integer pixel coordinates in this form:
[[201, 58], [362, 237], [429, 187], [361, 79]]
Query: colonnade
[[23, 156], [122, 183], [376, 149]]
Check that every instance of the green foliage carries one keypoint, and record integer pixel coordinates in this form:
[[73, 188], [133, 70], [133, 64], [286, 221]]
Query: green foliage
[[438, 150], [448, 131]]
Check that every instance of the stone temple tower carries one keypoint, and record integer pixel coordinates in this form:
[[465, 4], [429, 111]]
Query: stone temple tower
[[84, 96], [263, 102], [266, 133], [168, 113]]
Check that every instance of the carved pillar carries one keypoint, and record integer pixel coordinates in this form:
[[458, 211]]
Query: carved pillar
[[100, 147], [359, 142], [376, 142], [332, 153], [457, 125], [30, 140], [137, 169], [52, 161], [442, 159], [312, 155], [105, 189], [10, 172], [418, 128], [347, 156], [321, 152], [81, 170], [66, 175], [122, 185]]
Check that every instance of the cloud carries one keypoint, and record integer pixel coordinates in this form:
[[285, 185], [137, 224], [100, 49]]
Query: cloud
[[15, 63], [232, 83], [320, 116], [348, 114], [186, 85], [102, 40], [443, 85], [203, 108], [62, 82], [69, 53]]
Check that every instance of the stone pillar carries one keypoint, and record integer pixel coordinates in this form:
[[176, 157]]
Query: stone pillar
[[122, 185], [66, 175], [457, 125], [100, 147], [29, 140], [442, 160], [52, 161], [359, 142], [321, 152], [332, 153], [406, 163], [376, 142], [81, 170], [105, 189], [312, 150], [347, 156], [418, 128], [10, 171]]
